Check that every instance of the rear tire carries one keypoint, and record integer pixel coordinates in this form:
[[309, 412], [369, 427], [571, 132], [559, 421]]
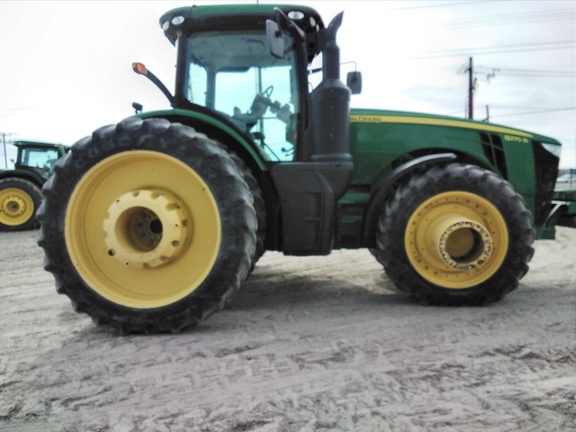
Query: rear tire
[[455, 235], [148, 226], [259, 207], [19, 201]]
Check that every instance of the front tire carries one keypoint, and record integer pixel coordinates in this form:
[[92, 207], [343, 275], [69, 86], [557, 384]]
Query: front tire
[[456, 235], [19, 201], [148, 226]]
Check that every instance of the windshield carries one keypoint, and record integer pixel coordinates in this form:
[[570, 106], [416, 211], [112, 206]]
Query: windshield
[[234, 74], [40, 159]]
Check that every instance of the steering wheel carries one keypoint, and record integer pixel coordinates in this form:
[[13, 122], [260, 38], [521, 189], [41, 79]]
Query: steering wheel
[[268, 91]]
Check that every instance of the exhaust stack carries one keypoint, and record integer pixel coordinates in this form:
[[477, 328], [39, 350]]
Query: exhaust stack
[[330, 105]]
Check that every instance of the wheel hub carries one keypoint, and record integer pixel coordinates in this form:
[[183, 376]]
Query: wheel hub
[[13, 206], [146, 228], [461, 244], [456, 239]]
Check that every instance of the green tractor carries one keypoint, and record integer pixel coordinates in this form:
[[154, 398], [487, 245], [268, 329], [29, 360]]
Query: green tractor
[[20, 188], [152, 224]]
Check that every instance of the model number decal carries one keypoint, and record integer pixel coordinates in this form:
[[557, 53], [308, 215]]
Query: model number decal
[[516, 139]]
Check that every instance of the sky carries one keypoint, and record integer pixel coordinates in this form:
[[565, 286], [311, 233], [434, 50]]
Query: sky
[[65, 67]]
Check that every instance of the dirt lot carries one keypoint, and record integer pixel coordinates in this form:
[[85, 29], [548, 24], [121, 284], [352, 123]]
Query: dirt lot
[[308, 345]]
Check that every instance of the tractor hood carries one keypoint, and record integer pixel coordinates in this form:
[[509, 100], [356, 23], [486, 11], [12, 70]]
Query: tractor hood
[[370, 116]]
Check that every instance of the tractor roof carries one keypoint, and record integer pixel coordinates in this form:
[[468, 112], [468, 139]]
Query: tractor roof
[[192, 19], [26, 143]]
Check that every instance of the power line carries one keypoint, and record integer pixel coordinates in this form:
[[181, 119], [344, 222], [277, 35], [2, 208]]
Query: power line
[[527, 72], [508, 19], [535, 112], [20, 110], [538, 75], [449, 4], [523, 107], [501, 49]]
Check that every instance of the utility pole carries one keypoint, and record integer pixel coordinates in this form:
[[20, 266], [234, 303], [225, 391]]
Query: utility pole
[[5, 154], [472, 80], [7, 139], [470, 90]]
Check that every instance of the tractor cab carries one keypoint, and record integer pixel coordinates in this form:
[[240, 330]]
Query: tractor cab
[[247, 66], [38, 156], [226, 66]]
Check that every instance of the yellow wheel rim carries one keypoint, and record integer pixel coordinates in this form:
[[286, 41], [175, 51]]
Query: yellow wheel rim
[[142, 229], [456, 240], [16, 207]]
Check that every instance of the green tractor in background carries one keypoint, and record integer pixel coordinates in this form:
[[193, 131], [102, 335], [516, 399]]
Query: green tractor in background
[[152, 224], [20, 188]]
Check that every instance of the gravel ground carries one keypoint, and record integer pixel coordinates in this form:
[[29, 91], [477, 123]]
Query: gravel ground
[[309, 344]]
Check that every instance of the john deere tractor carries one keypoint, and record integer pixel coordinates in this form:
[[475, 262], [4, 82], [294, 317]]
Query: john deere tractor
[[152, 224], [20, 187]]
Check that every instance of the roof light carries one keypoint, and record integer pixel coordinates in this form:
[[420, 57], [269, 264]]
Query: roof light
[[177, 20], [296, 15]]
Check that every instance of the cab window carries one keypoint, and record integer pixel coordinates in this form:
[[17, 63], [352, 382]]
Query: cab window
[[42, 160], [234, 74]]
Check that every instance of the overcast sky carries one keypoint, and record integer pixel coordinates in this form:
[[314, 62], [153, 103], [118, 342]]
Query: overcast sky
[[65, 67]]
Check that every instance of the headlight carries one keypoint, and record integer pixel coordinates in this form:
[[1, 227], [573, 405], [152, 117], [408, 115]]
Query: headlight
[[555, 149]]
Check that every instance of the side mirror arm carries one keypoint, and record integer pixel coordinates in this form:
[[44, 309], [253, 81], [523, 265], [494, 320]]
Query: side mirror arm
[[274, 32]]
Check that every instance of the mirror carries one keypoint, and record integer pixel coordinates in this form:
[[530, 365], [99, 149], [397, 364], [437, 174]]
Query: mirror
[[275, 39], [354, 82]]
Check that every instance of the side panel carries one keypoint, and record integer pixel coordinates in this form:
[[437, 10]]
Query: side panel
[[308, 193], [378, 140]]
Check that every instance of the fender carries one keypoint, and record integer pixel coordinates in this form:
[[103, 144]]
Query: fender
[[211, 121], [383, 187], [28, 175]]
